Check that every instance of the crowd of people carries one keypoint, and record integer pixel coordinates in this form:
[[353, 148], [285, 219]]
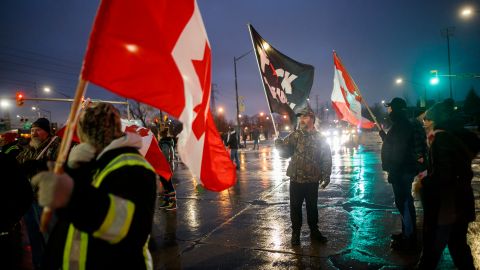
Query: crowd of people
[[104, 199]]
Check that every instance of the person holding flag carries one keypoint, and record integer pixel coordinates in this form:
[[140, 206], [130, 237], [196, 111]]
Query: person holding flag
[[310, 167], [105, 200]]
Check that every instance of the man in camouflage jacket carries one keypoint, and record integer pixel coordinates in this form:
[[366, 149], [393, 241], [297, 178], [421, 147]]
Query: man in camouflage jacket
[[310, 167]]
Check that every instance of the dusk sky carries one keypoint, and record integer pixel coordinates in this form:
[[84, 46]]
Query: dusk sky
[[42, 43]]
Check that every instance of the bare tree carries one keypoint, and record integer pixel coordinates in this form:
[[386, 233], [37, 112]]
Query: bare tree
[[142, 112]]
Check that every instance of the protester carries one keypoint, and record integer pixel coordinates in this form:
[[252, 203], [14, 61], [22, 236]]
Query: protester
[[255, 137], [105, 200], [447, 195], [168, 194], [232, 143], [16, 198], [33, 158], [400, 161], [310, 167]]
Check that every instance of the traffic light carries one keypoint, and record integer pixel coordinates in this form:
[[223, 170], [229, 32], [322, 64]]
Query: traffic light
[[20, 99], [434, 79]]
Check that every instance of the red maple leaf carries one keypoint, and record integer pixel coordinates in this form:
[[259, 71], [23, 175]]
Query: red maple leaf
[[202, 68]]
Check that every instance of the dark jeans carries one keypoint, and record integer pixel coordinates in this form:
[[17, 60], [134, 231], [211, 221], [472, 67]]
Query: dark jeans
[[167, 185], [402, 190], [435, 241], [298, 193], [255, 144], [234, 156]]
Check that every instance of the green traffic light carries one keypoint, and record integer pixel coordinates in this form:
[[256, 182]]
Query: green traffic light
[[434, 81]]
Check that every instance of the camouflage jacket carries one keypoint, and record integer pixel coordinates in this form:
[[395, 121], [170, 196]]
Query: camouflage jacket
[[29, 158], [311, 157]]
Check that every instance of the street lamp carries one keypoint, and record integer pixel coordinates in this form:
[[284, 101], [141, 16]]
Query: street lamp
[[38, 109], [399, 81], [220, 110], [235, 59], [4, 104], [467, 12]]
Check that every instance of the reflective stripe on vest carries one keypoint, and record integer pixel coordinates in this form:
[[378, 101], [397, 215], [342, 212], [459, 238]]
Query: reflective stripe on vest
[[14, 147], [75, 252], [147, 256], [115, 225], [117, 222]]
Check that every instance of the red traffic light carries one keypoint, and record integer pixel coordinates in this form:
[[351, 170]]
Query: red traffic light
[[20, 99]]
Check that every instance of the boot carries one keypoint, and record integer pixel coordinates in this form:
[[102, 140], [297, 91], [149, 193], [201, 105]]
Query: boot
[[295, 238], [317, 236]]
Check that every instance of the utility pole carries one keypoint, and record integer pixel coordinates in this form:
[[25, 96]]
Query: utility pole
[[235, 59], [214, 91], [448, 32], [316, 104]]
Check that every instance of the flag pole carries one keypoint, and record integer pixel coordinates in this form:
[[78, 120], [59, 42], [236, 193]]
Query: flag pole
[[65, 144], [263, 85], [361, 97], [366, 105]]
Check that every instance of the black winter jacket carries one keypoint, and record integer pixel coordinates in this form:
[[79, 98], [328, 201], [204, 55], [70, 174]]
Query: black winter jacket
[[89, 208], [447, 192], [398, 149]]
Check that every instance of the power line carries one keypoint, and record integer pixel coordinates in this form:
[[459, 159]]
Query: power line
[[38, 74], [43, 61], [39, 67], [40, 55]]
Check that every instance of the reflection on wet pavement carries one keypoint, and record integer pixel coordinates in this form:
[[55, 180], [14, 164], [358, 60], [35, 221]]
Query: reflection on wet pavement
[[248, 226]]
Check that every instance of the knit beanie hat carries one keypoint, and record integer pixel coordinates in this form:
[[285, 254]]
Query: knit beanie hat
[[99, 125], [438, 113], [42, 123]]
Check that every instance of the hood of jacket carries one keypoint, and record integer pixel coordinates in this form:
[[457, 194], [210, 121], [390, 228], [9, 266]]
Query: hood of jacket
[[128, 140]]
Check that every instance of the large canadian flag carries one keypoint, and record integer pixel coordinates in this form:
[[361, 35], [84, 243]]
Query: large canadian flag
[[157, 52], [345, 98]]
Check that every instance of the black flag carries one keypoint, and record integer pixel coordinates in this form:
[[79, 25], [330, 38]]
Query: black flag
[[287, 83]]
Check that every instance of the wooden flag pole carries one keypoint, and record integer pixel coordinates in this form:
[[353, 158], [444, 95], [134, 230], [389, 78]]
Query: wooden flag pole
[[65, 144], [366, 105], [361, 97]]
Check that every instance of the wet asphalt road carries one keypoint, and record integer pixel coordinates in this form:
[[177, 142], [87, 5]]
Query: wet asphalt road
[[248, 226]]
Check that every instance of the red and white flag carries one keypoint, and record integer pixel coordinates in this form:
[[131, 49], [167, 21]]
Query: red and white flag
[[150, 150], [157, 52], [345, 98]]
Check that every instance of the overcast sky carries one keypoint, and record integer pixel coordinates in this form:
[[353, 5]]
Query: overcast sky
[[42, 42]]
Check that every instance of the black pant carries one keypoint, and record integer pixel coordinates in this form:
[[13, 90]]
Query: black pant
[[298, 193], [167, 185], [437, 238], [402, 190]]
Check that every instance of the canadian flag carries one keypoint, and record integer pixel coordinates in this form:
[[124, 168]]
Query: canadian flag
[[150, 150], [345, 98], [157, 52]]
